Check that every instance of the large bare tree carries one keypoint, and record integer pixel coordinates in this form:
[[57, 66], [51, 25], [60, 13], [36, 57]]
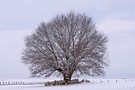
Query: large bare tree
[[68, 45]]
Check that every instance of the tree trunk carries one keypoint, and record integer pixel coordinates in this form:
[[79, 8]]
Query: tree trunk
[[67, 77]]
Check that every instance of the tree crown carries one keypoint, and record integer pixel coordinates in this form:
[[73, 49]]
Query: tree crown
[[69, 45]]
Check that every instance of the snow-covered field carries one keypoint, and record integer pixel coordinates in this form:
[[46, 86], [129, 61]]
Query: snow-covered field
[[95, 84]]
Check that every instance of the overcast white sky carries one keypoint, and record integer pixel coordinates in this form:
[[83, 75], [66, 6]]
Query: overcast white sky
[[116, 18]]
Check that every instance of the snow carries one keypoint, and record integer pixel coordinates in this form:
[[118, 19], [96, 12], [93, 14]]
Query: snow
[[95, 84]]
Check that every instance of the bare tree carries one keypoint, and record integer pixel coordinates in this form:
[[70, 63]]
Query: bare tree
[[68, 45]]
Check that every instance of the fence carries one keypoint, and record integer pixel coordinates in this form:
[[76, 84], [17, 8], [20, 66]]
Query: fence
[[2, 83], [19, 83], [111, 80]]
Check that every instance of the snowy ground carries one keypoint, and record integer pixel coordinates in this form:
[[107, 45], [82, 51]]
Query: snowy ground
[[96, 84]]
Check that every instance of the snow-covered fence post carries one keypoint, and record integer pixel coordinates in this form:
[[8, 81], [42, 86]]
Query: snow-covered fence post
[[17, 83], [116, 81], [108, 81], [5, 83], [8, 83]]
